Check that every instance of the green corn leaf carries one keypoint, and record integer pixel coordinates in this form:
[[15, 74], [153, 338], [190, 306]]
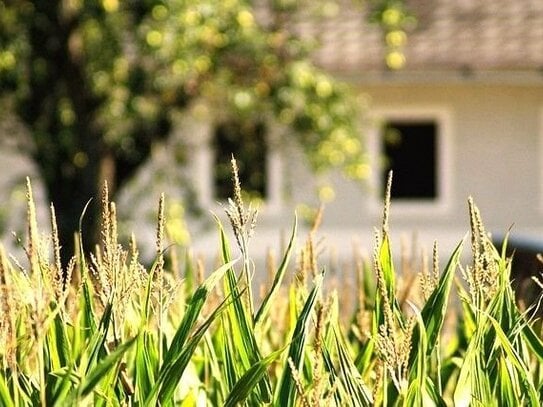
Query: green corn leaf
[[387, 267], [421, 390], [88, 315], [89, 322], [64, 389], [110, 389], [332, 372], [526, 382], [533, 341], [149, 288], [69, 374], [97, 342], [349, 376], [433, 312], [192, 312], [104, 366], [5, 396], [213, 345], [62, 342], [50, 352], [246, 384], [172, 369], [465, 389], [364, 359], [368, 284], [286, 395], [278, 278], [505, 388], [468, 313], [420, 368], [193, 309], [241, 323], [230, 367], [25, 392], [146, 364], [58, 354], [328, 341], [431, 396]]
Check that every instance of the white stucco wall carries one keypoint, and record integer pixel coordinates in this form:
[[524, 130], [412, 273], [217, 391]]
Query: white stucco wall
[[14, 168], [496, 139], [495, 155]]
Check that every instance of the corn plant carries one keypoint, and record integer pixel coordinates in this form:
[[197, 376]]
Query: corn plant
[[106, 330]]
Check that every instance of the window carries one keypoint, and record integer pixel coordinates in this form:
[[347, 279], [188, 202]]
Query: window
[[410, 151], [416, 144], [247, 142], [255, 144]]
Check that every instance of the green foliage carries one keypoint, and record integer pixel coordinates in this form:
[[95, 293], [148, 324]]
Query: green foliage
[[395, 19]]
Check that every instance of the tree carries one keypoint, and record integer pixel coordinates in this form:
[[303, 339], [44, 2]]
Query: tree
[[96, 82]]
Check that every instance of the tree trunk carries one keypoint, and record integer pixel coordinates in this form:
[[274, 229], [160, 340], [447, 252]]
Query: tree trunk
[[67, 153], [70, 194], [72, 154]]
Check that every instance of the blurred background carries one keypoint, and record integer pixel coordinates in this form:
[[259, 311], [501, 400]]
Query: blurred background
[[317, 100]]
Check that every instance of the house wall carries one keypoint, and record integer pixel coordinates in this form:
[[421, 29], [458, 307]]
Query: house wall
[[494, 154], [14, 168], [493, 149]]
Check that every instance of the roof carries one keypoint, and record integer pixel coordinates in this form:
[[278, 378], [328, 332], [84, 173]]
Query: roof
[[478, 35]]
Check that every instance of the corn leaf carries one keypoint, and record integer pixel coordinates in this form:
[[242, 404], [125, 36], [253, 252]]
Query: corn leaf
[[278, 278], [512, 356], [146, 364], [99, 337], [421, 390], [88, 316], [5, 397], [192, 312], [286, 395], [246, 384], [172, 369], [387, 267], [241, 323], [533, 341], [104, 366], [466, 386], [433, 312], [349, 376], [507, 396]]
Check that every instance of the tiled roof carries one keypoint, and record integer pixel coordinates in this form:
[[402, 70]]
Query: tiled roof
[[485, 35]]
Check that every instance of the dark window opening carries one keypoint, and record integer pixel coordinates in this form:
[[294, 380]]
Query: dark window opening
[[247, 142], [410, 150]]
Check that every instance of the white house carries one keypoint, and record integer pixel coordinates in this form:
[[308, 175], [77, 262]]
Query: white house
[[467, 114], [463, 117], [469, 103]]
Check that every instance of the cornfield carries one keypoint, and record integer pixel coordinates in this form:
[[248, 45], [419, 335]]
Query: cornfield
[[107, 331]]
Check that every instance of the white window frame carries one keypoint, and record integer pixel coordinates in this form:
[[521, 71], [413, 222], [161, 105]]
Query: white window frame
[[421, 208], [203, 159], [272, 202]]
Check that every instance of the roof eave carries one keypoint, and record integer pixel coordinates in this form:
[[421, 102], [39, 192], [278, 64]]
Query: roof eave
[[524, 77]]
